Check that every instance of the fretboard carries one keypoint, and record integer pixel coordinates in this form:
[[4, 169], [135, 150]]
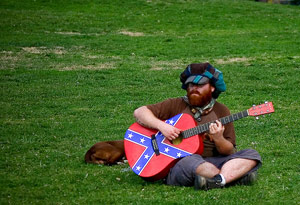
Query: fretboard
[[205, 127]]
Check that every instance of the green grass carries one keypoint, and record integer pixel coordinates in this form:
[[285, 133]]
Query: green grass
[[72, 72]]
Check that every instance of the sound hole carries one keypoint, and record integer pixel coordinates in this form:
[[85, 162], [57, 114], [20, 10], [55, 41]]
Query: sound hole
[[178, 140]]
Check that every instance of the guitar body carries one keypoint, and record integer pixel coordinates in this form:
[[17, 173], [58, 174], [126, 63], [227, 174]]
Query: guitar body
[[152, 166]]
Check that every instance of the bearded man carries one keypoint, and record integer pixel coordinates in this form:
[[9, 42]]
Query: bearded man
[[220, 164]]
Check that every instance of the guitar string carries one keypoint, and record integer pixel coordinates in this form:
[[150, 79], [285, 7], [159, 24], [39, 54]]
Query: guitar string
[[199, 129]]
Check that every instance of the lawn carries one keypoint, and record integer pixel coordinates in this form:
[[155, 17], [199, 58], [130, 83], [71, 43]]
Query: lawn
[[72, 73]]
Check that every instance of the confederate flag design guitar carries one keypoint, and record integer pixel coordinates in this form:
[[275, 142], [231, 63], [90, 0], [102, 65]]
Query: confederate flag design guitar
[[151, 156]]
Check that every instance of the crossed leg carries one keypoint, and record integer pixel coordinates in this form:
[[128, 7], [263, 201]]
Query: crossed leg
[[231, 170]]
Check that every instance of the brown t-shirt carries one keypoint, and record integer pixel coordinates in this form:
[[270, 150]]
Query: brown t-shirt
[[173, 106]]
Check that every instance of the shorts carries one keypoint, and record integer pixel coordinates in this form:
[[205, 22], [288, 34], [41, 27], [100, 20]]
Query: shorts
[[184, 171]]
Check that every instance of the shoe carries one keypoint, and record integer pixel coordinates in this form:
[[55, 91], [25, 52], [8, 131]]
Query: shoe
[[248, 179], [207, 183]]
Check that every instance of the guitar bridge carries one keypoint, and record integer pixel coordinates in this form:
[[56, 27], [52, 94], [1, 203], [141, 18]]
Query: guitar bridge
[[154, 145]]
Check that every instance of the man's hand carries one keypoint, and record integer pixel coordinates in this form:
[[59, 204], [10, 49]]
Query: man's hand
[[169, 131], [145, 117], [216, 131]]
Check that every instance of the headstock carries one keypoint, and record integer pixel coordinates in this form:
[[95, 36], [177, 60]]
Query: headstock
[[262, 109]]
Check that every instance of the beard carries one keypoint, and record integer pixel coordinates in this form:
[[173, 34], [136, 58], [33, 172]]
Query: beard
[[199, 99]]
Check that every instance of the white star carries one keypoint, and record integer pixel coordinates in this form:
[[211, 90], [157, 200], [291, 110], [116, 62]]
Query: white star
[[167, 150], [130, 136], [171, 122], [138, 168], [178, 154], [146, 156], [142, 140]]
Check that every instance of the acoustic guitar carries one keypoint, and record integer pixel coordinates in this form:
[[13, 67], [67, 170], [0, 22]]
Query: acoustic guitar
[[151, 156]]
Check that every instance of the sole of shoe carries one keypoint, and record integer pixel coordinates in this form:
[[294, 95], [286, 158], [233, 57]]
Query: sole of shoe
[[200, 183]]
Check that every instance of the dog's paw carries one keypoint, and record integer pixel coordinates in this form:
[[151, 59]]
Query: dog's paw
[[122, 162]]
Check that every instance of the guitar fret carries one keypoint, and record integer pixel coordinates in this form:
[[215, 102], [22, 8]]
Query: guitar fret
[[222, 121], [191, 132], [199, 129], [226, 120], [240, 115], [235, 117], [206, 126], [185, 134], [202, 129]]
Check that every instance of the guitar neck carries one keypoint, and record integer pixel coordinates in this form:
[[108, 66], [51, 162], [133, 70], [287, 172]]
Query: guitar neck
[[205, 127]]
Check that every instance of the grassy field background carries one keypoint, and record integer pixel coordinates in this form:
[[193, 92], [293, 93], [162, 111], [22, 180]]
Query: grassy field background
[[72, 72]]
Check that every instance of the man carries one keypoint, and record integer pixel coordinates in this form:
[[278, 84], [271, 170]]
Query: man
[[219, 164]]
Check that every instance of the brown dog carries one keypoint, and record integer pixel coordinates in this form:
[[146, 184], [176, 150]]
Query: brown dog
[[107, 153]]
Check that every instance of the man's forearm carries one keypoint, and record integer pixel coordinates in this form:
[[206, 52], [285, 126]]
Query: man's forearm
[[224, 146], [146, 118]]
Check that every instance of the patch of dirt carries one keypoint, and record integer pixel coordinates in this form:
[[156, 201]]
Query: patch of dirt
[[102, 57], [128, 33], [89, 67], [161, 65], [156, 68], [92, 56], [70, 33], [232, 60], [34, 50], [41, 50], [8, 57], [8, 60]]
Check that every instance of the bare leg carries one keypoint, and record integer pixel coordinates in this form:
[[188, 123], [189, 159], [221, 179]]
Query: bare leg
[[207, 169], [236, 168]]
